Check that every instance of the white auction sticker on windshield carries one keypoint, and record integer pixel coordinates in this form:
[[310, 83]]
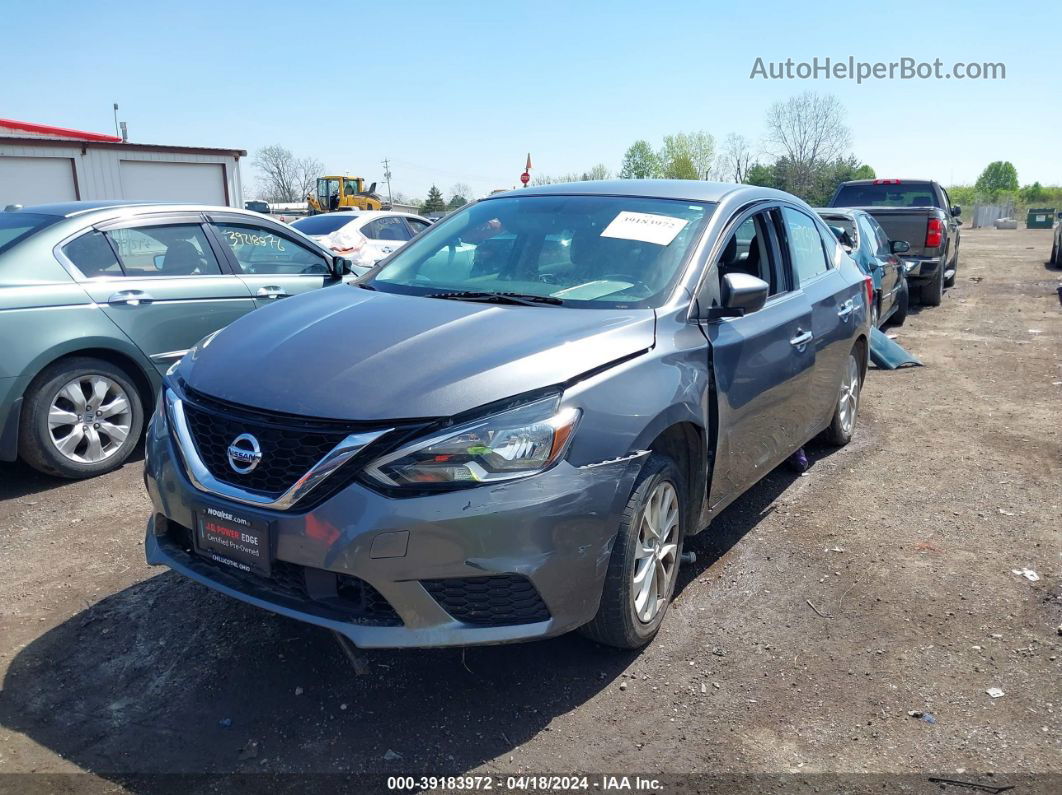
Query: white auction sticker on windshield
[[645, 227]]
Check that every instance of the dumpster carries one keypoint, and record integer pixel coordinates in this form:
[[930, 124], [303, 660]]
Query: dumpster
[[1040, 218]]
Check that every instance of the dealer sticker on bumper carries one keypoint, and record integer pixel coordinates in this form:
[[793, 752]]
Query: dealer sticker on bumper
[[233, 540]]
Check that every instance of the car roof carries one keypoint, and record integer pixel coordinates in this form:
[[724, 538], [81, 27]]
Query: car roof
[[682, 189], [68, 209]]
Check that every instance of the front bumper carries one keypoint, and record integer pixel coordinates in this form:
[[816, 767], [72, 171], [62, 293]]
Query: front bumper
[[554, 530]]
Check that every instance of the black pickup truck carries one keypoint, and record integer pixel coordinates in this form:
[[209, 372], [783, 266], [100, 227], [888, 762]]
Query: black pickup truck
[[920, 212]]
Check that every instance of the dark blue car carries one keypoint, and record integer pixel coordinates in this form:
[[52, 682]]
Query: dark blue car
[[867, 243]]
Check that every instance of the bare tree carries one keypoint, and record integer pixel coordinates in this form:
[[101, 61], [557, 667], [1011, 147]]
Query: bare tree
[[307, 171], [463, 190], [735, 159], [696, 147], [808, 130], [282, 177]]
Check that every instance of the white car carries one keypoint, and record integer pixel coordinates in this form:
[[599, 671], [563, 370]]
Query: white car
[[364, 236]]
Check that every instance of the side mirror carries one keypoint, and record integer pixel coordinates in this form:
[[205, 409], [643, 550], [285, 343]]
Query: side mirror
[[956, 211], [158, 260], [1059, 215], [341, 266], [743, 294], [899, 246]]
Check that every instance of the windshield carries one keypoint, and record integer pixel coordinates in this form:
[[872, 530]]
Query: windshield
[[18, 226], [903, 194], [323, 224], [605, 251]]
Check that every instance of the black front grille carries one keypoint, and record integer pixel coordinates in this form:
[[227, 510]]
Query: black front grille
[[308, 590], [288, 449], [494, 601]]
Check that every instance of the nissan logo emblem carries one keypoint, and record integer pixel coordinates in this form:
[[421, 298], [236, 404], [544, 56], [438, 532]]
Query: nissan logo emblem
[[244, 454]]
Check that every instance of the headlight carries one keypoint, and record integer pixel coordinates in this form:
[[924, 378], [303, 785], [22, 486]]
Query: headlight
[[512, 444]]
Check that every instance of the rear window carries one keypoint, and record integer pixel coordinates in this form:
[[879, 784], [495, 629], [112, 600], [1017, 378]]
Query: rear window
[[905, 194], [17, 226], [323, 224]]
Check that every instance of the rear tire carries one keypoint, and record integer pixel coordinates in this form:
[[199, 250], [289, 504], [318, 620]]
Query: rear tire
[[842, 426], [631, 611], [903, 303], [1056, 256], [933, 291], [104, 425]]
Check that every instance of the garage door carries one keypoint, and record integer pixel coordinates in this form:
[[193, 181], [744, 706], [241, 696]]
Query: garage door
[[36, 180], [198, 183]]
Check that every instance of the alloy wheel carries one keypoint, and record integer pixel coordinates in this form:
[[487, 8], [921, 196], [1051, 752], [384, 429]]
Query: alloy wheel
[[656, 556], [89, 419], [848, 400]]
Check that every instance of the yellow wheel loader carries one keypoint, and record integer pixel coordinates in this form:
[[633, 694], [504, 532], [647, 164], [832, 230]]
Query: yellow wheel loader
[[343, 193]]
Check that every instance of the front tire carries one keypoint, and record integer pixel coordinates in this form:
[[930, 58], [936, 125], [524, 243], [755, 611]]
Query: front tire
[[83, 417], [842, 427], [643, 568]]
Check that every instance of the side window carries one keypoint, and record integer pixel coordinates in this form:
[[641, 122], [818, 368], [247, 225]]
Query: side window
[[749, 250], [417, 225], [805, 245], [93, 255], [390, 227], [164, 250], [869, 235], [261, 251]]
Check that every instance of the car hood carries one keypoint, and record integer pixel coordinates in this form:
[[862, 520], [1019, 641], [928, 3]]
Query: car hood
[[348, 353]]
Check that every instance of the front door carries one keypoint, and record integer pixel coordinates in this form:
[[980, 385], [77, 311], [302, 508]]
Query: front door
[[160, 282], [272, 264], [763, 364]]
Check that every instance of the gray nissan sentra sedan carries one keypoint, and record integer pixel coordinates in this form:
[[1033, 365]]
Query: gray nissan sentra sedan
[[507, 428]]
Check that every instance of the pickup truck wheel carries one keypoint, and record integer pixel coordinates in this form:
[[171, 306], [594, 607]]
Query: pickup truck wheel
[[1056, 255], [903, 300], [844, 416], [933, 291], [643, 568], [83, 417]]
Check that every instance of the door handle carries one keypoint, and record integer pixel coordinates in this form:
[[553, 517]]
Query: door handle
[[271, 291], [847, 308], [130, 298], [801, 339]]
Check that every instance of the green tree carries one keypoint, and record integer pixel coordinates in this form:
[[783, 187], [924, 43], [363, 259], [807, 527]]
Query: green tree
[[1031, 194], [997, 177], [761, 175], [864, 172], [681, 167], [640, 162], [697, 147], [434, 203], [455, 202]]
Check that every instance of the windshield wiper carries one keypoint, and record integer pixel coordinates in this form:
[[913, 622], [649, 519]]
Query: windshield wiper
[[521, 299]]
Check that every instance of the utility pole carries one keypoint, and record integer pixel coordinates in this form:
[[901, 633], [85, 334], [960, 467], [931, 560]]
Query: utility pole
[[116, 119], [387, 176]]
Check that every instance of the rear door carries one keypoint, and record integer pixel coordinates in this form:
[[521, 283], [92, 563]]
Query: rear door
[[837, 307], [763, 362], [270, 262], [890, 264], [160, 280], [385, 234]]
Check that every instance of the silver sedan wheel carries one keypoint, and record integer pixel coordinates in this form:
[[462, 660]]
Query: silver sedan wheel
[[89, 419], [657, 553], [848, 402]]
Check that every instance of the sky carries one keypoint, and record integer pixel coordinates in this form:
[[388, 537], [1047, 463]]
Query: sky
[[461, 92]]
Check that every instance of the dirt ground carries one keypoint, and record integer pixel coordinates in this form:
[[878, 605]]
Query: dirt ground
[[821, 612]]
